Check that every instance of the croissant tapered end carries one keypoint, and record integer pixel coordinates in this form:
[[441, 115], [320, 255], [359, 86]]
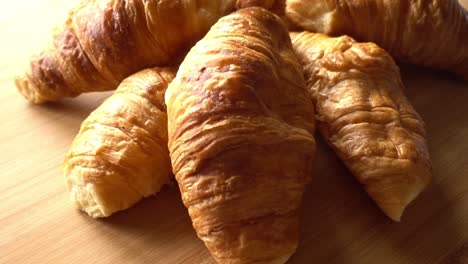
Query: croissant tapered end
[[395, 210], [268, 240], [102, 199], [393, 194], [87, 199], [27, 89], [98, 199], [42, 81]]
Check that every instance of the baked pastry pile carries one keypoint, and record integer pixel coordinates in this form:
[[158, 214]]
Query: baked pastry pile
[[236, 124]]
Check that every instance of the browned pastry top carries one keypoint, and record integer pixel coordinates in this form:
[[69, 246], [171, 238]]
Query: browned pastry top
[[240, 137], [365, 116], [431, 33], [120, 154]]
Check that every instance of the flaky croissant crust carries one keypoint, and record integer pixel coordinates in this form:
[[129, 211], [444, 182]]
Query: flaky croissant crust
[[240, 138], [431, 33], [120, 154], [103, 42], [365, 116]]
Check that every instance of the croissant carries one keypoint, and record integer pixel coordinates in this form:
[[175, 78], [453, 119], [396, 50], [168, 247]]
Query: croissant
[[241, 140], [364, 115], [431, 33], [120, 154], [103, 42]]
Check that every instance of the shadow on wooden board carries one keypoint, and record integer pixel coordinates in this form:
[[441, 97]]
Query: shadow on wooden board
[[162, 222]]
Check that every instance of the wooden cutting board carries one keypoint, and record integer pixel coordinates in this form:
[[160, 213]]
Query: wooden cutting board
[[340, 224]]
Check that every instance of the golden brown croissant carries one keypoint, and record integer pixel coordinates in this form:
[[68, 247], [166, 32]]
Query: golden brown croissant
[[432, 33], [364, 115], [120, 154], [240, 138], [103, 42]]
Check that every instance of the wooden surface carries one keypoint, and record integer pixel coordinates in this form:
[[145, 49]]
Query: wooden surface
[[340, 224]]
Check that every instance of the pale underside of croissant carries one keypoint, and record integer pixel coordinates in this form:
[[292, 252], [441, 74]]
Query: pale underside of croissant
[[431, 33], [364, 115], [120, 154], [240, 138], [103, 42]]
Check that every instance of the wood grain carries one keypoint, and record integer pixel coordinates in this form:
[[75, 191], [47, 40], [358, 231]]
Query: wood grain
[[340, 224]]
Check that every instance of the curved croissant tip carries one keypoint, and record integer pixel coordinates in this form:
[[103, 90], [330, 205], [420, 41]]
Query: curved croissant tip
[[393, 197], [293, 35], [393, 211], [84, 195], [85, 200], [25, 88]]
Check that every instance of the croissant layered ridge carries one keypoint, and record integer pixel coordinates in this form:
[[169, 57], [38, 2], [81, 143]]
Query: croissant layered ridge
[[366, 118], [241, 138], [120, 154], [431, 33], [103, 42]]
